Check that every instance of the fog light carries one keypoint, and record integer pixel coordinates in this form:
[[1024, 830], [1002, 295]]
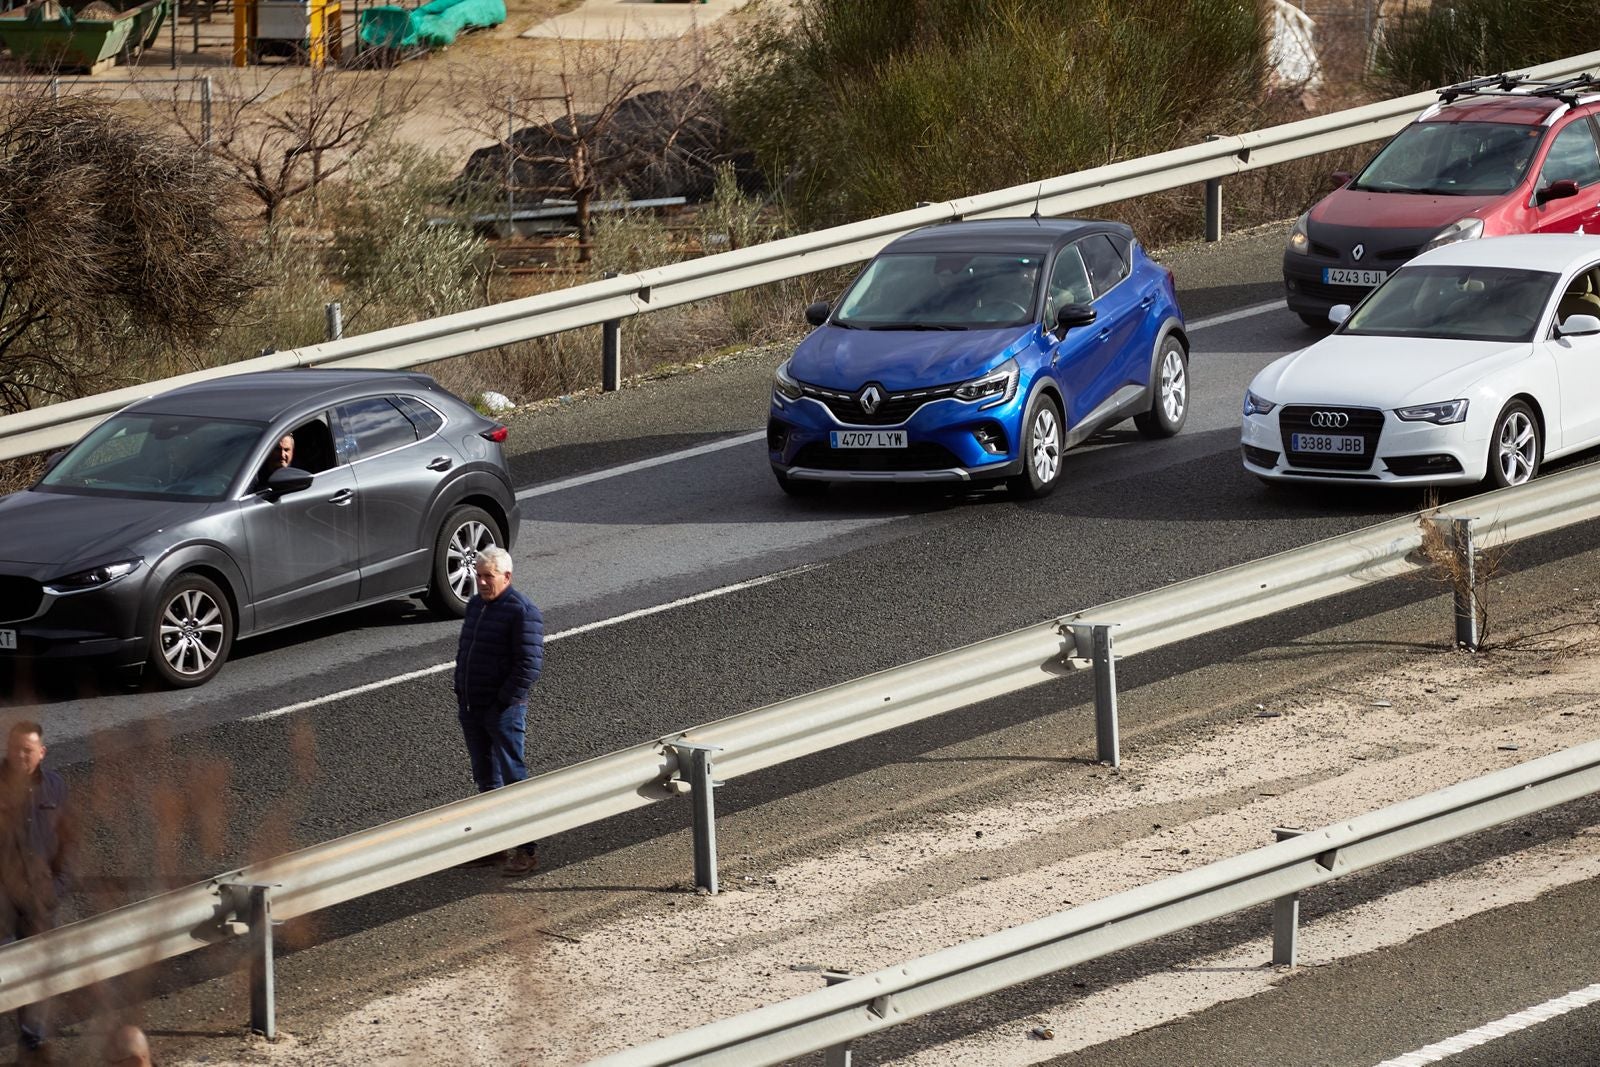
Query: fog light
[[991, 437]]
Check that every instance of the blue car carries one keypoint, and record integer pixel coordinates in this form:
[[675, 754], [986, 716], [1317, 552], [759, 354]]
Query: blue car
[[976, 353]]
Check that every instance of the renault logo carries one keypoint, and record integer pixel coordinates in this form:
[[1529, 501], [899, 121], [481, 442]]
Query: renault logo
[[870, 399], [1330, 420], [1357, 252]]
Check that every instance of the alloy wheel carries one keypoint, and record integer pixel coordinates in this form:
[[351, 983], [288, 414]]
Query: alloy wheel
[[1044, 450], [1174, 386], [191, 632], [1517, 449], [461, 557]]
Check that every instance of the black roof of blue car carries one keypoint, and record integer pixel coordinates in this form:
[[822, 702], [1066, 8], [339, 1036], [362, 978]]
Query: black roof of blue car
[[1007, 235]]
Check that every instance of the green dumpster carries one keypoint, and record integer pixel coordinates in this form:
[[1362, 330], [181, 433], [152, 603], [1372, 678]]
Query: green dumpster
[[51, 36]]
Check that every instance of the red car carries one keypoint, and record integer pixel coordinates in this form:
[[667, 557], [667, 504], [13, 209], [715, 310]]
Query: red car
[[1498, 155]]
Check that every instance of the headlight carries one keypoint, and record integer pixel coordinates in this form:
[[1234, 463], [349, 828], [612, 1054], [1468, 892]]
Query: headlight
[[1444, 414], [1460, 230], [996, 387], [785, 385], [1254, 405], [93, 578], [1299, 238]]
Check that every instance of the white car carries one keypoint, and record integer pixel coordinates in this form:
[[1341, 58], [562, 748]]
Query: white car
[[1474, 362]]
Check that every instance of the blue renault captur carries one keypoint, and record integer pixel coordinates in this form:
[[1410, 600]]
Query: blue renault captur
[[977, 352]]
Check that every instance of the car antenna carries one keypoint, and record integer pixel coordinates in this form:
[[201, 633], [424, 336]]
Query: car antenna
[[1036, 197]]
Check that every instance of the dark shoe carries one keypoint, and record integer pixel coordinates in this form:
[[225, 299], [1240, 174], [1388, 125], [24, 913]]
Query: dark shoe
[[519, 863]]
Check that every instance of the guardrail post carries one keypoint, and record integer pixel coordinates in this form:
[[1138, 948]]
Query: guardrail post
[[610, 351], [335, 315], [1213, 203], [1098, 637], [252, 905], [836, 1055], [1465, 580], [1285, 915], [205, 111], [695, 759]]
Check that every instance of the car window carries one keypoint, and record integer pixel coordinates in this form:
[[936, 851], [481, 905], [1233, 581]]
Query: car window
[[423, 417], [306, 446], [374, 425], [1069, 284], [1572, 156], [179, 457], [1456, 302], [1106, 265], [942, 291], [1452, 159]]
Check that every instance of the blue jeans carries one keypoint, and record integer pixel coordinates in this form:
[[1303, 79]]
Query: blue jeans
[[495, 745]]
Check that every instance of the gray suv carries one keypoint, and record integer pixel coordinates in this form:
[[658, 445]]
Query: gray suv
[[245, 504]]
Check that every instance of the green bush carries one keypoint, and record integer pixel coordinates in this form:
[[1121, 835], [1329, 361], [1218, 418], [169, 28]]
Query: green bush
[[1453, 40], [859, 107]]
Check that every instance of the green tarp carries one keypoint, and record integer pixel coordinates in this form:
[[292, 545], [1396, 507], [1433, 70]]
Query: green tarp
[[432, 25]]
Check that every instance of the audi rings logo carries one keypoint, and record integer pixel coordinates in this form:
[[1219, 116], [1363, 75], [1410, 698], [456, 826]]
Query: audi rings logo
[[1330, 420], [870, 399]]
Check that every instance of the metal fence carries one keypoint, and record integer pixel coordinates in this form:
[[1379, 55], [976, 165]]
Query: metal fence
[[692, 762], [612, 299]]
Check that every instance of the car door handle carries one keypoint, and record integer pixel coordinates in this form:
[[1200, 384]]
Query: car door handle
[[440, 463], [1104, 334], [1147, 301], [342, 497]]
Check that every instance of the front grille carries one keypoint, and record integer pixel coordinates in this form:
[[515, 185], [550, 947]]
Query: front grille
[[918, 456], [1365, 422], [19, 598], [1399, 255], [893, 409], [1334, 294]]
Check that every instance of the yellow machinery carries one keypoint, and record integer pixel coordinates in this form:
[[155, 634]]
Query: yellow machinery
[[310, 28]]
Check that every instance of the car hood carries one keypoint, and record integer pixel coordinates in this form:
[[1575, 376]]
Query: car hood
[[55, 530], [1385, 372], [1372, 210], [838, 358]]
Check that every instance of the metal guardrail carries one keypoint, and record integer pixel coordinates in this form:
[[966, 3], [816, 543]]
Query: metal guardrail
[[323, 875], [830, 1018], [58, 425]]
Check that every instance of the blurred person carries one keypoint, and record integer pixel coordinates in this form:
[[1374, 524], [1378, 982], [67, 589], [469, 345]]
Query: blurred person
[[500, 655], [36, 838], [127, 1047]]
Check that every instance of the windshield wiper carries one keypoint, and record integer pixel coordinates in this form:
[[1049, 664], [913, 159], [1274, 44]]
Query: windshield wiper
[[914, 326], [844, 325]]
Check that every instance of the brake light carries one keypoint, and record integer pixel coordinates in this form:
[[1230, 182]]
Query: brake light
[[496, 434]]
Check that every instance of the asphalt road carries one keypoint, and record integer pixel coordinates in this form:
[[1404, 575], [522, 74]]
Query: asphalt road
[[179, 786]]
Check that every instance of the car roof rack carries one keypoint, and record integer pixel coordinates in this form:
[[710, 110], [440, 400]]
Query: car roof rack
[[1567, 90]]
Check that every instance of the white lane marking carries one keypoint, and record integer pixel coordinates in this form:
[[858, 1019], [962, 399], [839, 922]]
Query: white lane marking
[[1235, 316], [1451, 1046], [643, 464], [731, 442], [573, 632]]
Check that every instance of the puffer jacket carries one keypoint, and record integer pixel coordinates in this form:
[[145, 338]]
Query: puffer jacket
[[501, 652]]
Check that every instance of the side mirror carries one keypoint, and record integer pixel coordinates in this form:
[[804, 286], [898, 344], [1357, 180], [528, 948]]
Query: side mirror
[[817, 314], [1578, 326], [1556, 191], [1341, 178], [288, 480], [1071, 315], [1338, 313]]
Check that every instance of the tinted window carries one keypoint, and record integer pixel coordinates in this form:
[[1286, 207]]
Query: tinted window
[[424, 418], [1572, 155], [944, 290], [375, 425], [173, 456], [1069, 284], [1106, 265]]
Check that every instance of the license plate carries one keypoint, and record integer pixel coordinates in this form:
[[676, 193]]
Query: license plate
[[1347, 276], [867, 438], [8, 640], [1339, 444]]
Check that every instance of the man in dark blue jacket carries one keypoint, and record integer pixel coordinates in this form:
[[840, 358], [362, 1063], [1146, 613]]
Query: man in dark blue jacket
[[499, 658], [35, 840]]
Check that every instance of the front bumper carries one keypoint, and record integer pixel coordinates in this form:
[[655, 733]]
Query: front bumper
[[96, 623], [1399, 453], [945, 442], [1307, 294]]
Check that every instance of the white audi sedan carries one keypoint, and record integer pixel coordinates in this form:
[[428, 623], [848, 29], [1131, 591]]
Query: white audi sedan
[[1474, 362]]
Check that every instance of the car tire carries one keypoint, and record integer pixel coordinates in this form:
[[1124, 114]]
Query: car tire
[[1169, 387], [1515, 446], [191, 632], [465, 532], [800, 487], [1042, 437]]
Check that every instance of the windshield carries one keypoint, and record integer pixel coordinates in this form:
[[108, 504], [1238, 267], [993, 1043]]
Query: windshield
[[1452, 159], [1461, 303], [175, 457], [942, 291]]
